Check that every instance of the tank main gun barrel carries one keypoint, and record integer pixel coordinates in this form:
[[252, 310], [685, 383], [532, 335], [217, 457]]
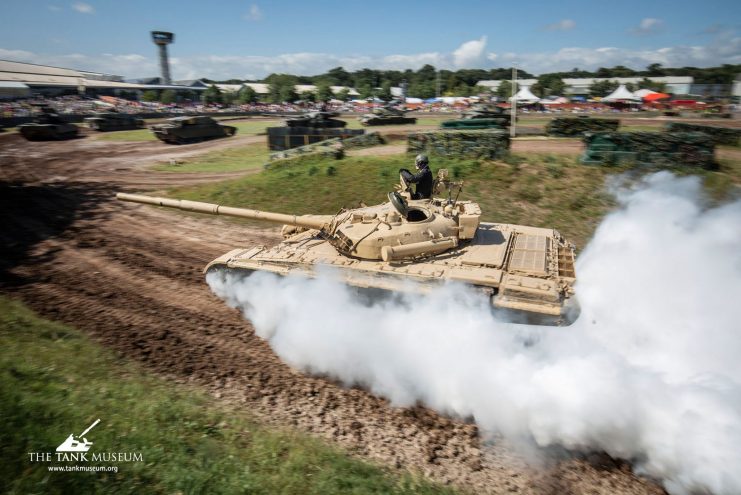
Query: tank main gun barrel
[[308, 222]]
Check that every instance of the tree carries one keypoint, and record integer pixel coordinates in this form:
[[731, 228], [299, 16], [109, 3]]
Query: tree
[[168, 96], [655, 70], [247, 95], [229, 97], [339, 77], [549, 84], [323, 92], [366, 91], [212, 94], [646, 83], [282, 88], [385, 92], [504, 90], [307, 96], [343, 95], [602, 88], [150, 95]]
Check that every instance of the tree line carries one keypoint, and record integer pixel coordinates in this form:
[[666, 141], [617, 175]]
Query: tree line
[[428, 82]]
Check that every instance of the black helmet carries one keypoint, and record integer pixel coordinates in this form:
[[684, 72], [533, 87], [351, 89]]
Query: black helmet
[[421, 161]]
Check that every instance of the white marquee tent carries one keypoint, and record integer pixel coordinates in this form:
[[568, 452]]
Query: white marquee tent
[[524, 95], [621, 94]]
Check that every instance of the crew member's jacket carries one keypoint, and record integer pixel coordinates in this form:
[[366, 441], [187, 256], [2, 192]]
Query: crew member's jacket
[[423, 179]]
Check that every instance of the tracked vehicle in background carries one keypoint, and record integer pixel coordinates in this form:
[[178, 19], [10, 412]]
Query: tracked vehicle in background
[[389, 114], [113, 121], [318, 119], [48, 125], [525, 270], [183, 130], [480, 116]]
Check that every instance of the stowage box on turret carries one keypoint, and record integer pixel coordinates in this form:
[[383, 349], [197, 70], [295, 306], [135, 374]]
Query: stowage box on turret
[[527, 270]]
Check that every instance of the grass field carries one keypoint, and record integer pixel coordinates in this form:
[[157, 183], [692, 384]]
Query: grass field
[[54, 381], [545, 190], [249, 157]]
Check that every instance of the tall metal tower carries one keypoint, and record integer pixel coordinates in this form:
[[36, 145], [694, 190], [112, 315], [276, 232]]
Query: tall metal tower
[[162, 39]]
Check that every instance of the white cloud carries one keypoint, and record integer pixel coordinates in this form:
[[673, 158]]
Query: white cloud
[[648, 25], [725, 49], [562, 25], [469, 53], [84, 8], [255, 13]]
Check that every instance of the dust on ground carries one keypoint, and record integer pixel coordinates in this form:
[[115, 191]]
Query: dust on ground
[[130, 276]]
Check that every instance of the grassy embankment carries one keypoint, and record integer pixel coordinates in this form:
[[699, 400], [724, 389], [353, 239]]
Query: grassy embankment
[[54, 381], [547, 190]]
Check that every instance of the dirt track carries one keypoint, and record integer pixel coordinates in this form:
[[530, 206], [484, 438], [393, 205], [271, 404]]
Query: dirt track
[[130, 276]]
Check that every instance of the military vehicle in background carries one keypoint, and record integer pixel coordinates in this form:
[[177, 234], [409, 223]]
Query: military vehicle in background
[[48, 125], [317, 118], [389, 114], [113, 121], [182, 130], [308, 128], [480, 116], [483, 111], [525, 270]]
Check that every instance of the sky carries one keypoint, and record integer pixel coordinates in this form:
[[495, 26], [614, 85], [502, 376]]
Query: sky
[[248, 40]]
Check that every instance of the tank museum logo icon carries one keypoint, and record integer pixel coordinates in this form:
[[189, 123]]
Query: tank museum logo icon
[[75, 445], [74, 449]]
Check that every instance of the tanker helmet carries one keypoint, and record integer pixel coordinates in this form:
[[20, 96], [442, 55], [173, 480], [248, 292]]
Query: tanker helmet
[[421, 161]]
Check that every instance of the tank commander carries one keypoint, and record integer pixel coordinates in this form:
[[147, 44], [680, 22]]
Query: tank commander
[[423, 178]]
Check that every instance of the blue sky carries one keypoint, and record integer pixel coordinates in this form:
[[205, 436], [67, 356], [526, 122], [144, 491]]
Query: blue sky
[[245, 39]]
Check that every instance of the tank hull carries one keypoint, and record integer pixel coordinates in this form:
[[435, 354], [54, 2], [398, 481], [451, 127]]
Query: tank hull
[[108, 125], [44, 132], [522, 270], [394, 120], [185, 136]]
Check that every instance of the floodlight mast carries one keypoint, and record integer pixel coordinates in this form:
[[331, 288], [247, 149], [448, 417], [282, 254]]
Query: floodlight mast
[[513, 105], [162, 39]]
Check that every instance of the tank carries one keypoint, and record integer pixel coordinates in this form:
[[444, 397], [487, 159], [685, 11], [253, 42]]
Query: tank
[[181, 130], [48, 125], [480, 116], [483, 111], [522, 270], [317, 119], [113, 121], [389, 114]]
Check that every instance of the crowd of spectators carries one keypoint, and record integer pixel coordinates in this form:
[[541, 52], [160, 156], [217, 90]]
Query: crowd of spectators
[[81, 105]]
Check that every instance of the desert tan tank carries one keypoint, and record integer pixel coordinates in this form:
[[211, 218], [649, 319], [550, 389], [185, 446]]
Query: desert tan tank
[[527, 270]]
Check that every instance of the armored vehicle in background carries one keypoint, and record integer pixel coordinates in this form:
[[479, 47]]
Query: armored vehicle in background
[[480, 116], [48, 125], [526, 270], [182, 130], [483, 111], [317, 119], [113, 121], [387, 115]]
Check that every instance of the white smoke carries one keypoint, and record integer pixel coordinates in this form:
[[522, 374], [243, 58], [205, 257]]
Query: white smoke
[[651, 370]]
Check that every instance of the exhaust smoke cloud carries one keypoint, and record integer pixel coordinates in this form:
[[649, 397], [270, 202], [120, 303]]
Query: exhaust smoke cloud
[[650, 372]]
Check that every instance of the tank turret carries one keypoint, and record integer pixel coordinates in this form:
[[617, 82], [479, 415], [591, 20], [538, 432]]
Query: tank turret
[[526, 269]]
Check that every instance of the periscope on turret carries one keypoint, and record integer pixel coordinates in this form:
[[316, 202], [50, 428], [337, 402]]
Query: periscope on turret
[[522, 269]]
